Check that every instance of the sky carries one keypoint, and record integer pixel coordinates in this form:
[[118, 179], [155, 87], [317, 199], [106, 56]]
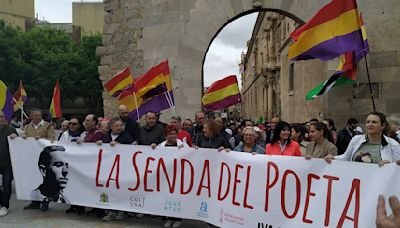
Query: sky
[[222, 58]]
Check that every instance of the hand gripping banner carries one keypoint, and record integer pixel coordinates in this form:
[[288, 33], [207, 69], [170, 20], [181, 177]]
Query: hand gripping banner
[[226, 189]]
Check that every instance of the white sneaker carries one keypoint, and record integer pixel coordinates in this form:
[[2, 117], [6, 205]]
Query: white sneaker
[[120, 215], [3, 211], [177, 224], [168, 223], [110, 216]]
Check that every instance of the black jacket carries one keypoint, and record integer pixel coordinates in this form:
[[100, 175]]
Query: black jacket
[[343, 140], [151, 135], [123, 138], [217, 142], [132, 128]]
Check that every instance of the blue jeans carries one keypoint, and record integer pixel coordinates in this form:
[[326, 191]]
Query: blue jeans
[[5, 193]]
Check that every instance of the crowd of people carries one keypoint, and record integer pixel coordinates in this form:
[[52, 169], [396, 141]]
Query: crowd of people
[[316, 139]]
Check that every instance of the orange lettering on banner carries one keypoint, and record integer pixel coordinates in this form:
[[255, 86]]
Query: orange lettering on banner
[[146, 171], [116, 178], [328, 198], [355, 189], [206, 169], [221, 176], [298, 191], [99, 157], [136, 171], [269, 184], [160, 165], [310, 177], [245, 204], [183, 162], [235, 182]]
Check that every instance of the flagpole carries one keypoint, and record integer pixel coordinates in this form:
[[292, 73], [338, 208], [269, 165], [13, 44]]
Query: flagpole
[[22, 116], [19, 106], [137, 108], [369, 81]]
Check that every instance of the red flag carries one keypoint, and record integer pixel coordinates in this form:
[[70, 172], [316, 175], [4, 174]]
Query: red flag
[[55, 106]]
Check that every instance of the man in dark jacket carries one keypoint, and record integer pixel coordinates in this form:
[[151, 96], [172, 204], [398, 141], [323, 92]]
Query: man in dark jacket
[[151, 132], [5, 163], [117, 133], [197, 131], [130, 126], [345, 135]]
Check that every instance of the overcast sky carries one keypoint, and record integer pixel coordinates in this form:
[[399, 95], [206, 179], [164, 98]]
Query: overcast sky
[[222, 58]]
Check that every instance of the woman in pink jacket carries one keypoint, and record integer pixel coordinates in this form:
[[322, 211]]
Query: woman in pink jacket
[[281, 143]]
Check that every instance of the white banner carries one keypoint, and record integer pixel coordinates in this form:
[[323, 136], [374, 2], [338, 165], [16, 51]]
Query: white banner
[[226, 189]]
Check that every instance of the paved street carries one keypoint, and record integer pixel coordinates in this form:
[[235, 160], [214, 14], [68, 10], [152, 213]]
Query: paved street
[[56, 217]]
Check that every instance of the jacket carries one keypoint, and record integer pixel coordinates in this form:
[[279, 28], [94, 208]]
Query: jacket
[[322, 150], [123, 138], [390, 149]]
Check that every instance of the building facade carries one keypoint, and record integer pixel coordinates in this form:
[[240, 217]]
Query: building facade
[[89, 16], [18, 13]]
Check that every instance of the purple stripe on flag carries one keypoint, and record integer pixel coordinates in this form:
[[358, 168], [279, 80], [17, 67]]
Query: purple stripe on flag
[[8, 108], [334, 47], [155, 104], [224, 103]]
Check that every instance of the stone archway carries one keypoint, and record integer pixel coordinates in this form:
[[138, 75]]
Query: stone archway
[[142, 33]]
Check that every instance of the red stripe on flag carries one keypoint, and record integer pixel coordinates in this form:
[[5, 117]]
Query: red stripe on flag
[[117, 79], [326, 13], [154, 72], [220, 84]]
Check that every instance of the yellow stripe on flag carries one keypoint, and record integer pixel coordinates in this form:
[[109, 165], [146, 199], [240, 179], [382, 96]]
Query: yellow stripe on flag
[[344, 24], [220, 94], [121, 85]]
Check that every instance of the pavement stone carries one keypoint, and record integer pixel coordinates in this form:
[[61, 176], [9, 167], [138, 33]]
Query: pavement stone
[[56, 217]]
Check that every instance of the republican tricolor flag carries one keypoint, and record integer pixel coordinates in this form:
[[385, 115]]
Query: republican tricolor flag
[[20, 97], [333, 31], [119, 82], [55, 106], [222, 94]]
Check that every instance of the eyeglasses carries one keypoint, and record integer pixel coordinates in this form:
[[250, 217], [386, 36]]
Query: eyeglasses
[[73, 123]]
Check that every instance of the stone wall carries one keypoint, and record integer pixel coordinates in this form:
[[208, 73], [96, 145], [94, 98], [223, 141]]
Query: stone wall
[[142, 33]]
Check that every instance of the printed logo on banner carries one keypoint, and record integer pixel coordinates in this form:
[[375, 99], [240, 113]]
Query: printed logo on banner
[[137, 202], [203, 210], [173, 206], [104, 198], [231, 218]]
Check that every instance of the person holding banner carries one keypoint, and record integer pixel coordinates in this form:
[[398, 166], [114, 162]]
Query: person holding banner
[[115, 136], [320, 146], [5, 163], [74, 130], [249, 144], [211, 137], [373, 147], [171, 135], [281, 143], [384, 221]]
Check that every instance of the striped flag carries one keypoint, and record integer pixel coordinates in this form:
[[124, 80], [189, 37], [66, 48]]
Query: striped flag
[[346, 70], [149, 92], [222, 94], [55, 106], [333, 31], [6, 103], [20, 97], [119, 82]]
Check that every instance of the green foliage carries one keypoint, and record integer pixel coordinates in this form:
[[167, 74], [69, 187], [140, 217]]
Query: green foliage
[[41, 56]]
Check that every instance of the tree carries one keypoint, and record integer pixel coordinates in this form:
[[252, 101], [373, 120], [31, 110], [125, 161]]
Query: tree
[[43, 55]]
